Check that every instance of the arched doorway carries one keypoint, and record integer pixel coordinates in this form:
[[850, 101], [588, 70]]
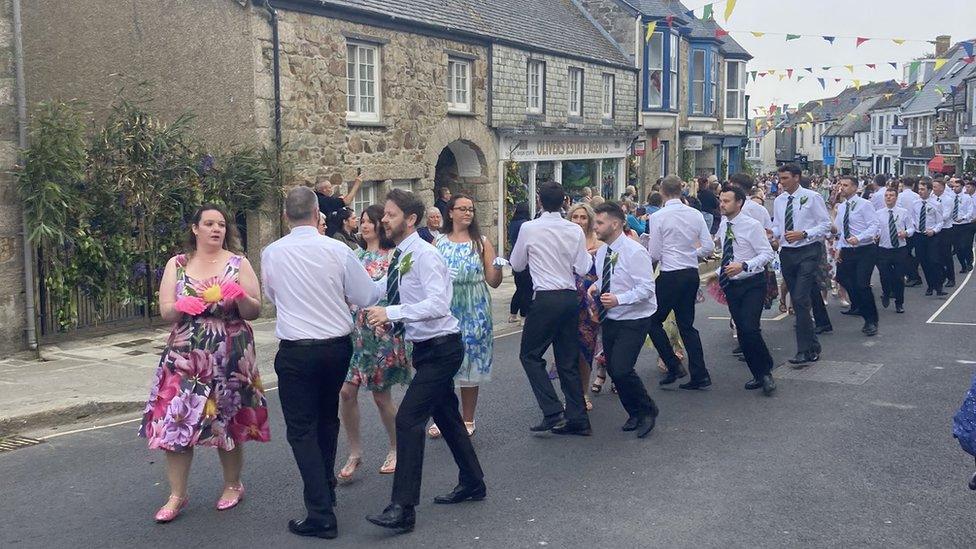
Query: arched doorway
[[461, 166]]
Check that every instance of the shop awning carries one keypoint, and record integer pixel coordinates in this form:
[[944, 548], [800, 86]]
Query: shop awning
[[939, 165]]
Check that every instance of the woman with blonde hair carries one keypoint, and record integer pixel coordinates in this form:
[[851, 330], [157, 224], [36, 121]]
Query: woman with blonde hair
[[589, 322]]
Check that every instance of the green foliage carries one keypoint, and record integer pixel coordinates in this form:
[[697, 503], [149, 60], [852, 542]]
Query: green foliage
[[106, 208], [687, 165], [970, 166]]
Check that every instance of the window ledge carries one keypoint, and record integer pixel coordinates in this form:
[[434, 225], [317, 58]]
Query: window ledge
[[367, 123], [607, 121], [574, 119], [457, 112], [535, 116]]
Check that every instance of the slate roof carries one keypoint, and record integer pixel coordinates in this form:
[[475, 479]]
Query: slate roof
[[837, 107], [557, 26], [848, 125], [929, 98], [705, 28], [894, 101]]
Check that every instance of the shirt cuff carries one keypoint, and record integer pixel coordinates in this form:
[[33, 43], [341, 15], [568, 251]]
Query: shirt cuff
[[394, 312]]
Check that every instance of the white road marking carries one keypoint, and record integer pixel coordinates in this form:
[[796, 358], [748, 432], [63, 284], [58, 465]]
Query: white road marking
[[781, 316], [966, 361], [893, 405], [948, 301], [951, 323]]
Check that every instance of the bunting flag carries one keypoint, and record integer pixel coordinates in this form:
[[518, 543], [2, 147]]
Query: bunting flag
[[823, 83], [850, 68], [872, 66], [836, 79], [690, 14], [808, 69], [789, 73], [888, 96], [670, 21], [939, 62], [792, 37], [893, 64], [799, 77], [940, 89], [825, 68], [781, 77], [650, 31], [861, 40], [968, 46], [707, 12], [857, 85], [919, 86], [898, 41], [753, 75], [720, 32], [772, 72], [758, 34], [762, 74], [968, 60], [810, 116], [729, 6], [829, 39], [820, 102]]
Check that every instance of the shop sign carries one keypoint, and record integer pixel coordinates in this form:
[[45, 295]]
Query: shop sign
[[967, 142], [544, 148], [899, 130], [640, 147], [693, 143]]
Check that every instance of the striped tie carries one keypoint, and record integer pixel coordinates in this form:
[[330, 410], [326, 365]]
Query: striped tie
[[605, 283], [921, 217], [892, 229], [723, 279], [847, 219], [789, 214], [393, 288], [955, 208]]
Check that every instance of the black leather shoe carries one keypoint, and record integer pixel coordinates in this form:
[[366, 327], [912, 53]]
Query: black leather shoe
[[463, 493], [899, 308], [313, 529], [754, 384], [972, 482], [870, 329], [768, 385], [631, 424], [671, 377], [799, 358], [645, 425], [547, 424], [950, 283], [813, 356], [930, 291], [940, 293], [738, 350], [828, 329], [885, 301], [395, 517], [696, 385], [566, 428], [852, 311], [913, 283]]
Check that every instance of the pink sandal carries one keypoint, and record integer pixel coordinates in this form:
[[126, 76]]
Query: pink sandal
[[168, 515], [225, 504]]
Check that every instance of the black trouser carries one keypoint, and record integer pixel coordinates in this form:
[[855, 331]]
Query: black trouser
[[854, 272], [912, 259], [622, 342], [945, 240], [891, 268], [553, 320], [522, 298], [745, 298], [927, 248], [309, 378], [676, 291], [968, 244], [431, 394], [800, 267], [962, 244]]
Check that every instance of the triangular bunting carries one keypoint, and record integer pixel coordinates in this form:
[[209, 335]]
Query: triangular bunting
[[888, 95], [898, 41], [758, 34], [772, 72], [872, 66], [753, 75], [861, 40], [792, 37], [762, 74], [893, 64], [836, 79], [857, 84], [650, 31], [729, 6], [707, 12], [781, 77], [823, 83], [820, 102], [914, 65], [670, 21], [826, 68], [968, 60], [799, 77], [919, 86], [829, 39], [810, 116], [808, 69], [721, 32], [968, 46], [789, 73], [850, 68], [939, 62]]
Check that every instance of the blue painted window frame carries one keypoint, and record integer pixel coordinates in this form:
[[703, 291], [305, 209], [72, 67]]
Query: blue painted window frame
[[665, 70], [707, 99]]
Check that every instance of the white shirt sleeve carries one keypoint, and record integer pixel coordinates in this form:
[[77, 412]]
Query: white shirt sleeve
[[764, 252], [819, 217], [519, 257], [583, 260], [358, 285], [872, 228], [654, 240], [434, 280], [266, 277], [640, 269], [705, 238]]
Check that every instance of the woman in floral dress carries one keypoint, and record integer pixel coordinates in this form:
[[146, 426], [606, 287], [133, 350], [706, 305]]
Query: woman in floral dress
[[207, 390], [589, 321], [379, 359], [471, 260]]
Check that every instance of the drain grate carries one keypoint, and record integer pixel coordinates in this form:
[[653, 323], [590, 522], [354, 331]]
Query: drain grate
[[15, 442], [825, 371]]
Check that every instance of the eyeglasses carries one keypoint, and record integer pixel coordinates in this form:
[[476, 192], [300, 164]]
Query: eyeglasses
[[464, 210]]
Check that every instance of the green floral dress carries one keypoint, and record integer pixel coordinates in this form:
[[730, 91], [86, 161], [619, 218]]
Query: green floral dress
[[378, 361], [471, 305]]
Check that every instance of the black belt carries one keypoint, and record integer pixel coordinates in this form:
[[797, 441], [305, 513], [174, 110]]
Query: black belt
[[311, 342], [554, 291], [798, 248], [447, 338]]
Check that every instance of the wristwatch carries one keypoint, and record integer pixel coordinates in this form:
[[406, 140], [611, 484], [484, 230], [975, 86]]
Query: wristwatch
[[805, 234]]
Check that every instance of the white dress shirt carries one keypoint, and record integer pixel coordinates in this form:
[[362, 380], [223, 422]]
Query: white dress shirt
[[909, 200], [631, 279], [310, 278], [749, 245], [877, 199], [903, 222], [425, 292], [863, 223], [757, 212], [945, 205], [809, 214], [552, 248], [965, 207], [933, 214], [678, 237]]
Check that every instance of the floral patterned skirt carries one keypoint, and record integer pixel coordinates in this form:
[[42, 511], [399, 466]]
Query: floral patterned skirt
[[207, 390]]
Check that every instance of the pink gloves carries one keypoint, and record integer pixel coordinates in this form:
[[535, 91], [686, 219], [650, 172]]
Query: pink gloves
[[232, 291], [190, 305]]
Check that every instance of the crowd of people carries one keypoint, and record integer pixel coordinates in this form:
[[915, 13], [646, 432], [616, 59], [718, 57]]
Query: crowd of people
[[398, 295]]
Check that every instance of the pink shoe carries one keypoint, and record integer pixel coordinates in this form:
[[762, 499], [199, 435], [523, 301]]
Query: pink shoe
[[168, 515], [225, 504]]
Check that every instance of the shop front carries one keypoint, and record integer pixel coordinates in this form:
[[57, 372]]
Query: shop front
[[713, 155], [915, 160], [578, 163]]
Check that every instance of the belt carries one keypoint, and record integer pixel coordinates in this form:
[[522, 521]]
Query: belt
[[797, 248], [286, 343], [447, 338], [554, 291]]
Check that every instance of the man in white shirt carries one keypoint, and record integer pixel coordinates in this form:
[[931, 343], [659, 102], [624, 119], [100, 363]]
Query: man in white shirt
[[677, 238], [750, 207], [895, 228], [962, 214], [909, 199], [928, 224], [553, 249], [745, 254], [947, 236], [418, 290], [856, 226], [967, 242], [310, 278], [877, 191], [624, 291], [800, 223]]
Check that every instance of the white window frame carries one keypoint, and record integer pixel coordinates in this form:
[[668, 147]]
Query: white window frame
[[609, 94], [655, 64], [888, 139], [876, 130], [459, 84], [365, 196], [972, 101], [356, 109], [928, 131], [698, 83], [575, 91], [673, 84], [713, 85], [535, 89], [735, 95]]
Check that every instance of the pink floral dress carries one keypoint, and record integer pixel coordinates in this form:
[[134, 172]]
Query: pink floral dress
[[207, 390]]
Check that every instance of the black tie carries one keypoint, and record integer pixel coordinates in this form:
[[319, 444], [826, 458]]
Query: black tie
[[393, 288], [723, 279], [892, 229], [789, 214], [847, 219], [921, 218], [605, 284]]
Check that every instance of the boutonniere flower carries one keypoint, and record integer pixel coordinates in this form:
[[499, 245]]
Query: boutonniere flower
[[406, 263], [803, 200], [613, 259], [852, 205]]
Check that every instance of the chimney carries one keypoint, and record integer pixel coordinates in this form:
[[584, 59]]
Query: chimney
[[942, 44]]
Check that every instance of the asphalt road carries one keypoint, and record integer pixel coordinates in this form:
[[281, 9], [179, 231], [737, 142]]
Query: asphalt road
[[866, 462]]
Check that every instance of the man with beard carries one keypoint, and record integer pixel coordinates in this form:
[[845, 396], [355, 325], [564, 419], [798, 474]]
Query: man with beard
[[419, 290]]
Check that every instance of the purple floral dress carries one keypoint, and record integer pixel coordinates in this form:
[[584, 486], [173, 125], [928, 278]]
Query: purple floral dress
[[207, 390]]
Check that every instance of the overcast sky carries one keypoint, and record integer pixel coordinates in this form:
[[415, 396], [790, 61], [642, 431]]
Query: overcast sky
[[907, 19]]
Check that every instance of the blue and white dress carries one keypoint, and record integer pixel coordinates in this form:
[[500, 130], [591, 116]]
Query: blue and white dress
[[471, 305]]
